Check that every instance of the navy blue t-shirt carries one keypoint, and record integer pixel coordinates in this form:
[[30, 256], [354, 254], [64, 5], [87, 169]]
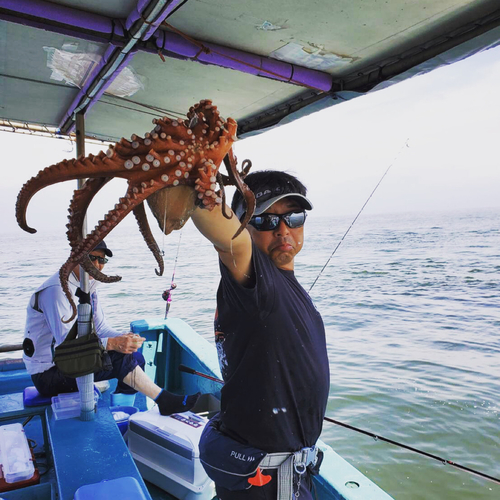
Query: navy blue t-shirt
[[272, 351]]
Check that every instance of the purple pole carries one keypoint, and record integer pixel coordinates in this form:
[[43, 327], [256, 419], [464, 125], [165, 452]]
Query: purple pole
[[219, 55], [47, 11]]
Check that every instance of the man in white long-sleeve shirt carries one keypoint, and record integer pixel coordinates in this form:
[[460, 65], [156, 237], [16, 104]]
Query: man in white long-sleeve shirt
[[44, 330]]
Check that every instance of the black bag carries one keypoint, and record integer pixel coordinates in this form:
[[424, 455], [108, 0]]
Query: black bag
[[226, 461], [76, 357]]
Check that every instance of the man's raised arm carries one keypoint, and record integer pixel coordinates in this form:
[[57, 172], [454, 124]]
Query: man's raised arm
[[235, 254]]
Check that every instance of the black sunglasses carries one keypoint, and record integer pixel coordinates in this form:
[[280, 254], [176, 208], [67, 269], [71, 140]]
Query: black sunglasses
[[269, 222], [101, 260]]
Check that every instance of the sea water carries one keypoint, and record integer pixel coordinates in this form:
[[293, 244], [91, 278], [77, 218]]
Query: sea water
[[411, 305]]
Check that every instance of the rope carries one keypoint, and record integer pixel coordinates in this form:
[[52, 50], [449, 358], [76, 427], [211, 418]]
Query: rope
[[359, 213]]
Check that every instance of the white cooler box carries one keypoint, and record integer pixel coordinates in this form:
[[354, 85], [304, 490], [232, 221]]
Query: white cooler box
[[166, 452]]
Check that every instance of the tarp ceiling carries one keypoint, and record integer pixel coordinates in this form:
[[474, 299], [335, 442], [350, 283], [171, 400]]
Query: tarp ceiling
[[124, 62]]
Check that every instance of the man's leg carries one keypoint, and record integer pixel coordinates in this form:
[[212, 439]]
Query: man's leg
[[52, 382], [127, 368], [123, 364], [168, 403]]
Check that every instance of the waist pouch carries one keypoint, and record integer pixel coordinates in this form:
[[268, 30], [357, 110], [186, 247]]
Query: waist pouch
[[76, 357], [226, 461]]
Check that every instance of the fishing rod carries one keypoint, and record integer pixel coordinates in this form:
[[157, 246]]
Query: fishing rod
[[416, 450], [359, 213], [186, 369]]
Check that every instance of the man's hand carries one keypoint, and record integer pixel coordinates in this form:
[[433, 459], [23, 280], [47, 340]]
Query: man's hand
[[126, 344]]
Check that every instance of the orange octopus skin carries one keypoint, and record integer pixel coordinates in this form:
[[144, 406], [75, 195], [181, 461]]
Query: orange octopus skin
[[177, 152]]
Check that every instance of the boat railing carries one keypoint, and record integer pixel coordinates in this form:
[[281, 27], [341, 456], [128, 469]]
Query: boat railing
[[11, 348]]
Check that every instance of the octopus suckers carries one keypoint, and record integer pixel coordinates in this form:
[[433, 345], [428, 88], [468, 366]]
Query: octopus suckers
[[135, 144], [150, 157], [145, 167], [129, 164], [164, 177], [178, 173], [136, 160], [156, 163], [147, 142], [176, 182]]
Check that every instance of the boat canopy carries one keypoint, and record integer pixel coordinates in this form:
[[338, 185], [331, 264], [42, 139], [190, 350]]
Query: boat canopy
[[265, 62]]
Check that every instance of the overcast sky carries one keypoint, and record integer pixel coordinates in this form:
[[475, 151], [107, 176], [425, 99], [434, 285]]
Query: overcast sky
[[449, 118]]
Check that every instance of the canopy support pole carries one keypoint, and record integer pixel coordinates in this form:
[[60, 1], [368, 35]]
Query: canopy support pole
[[85, 383]]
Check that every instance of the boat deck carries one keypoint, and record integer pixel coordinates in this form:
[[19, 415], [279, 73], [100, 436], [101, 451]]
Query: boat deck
[[93, 451], [71, 453]]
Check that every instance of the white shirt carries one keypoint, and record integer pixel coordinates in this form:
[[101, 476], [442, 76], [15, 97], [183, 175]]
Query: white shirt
[[42, 327]]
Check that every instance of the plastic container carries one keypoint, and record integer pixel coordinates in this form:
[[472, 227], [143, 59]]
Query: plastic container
[[123, 423], [68, 405], [124, 488], [121, 399], [15, 454], [165, 450]]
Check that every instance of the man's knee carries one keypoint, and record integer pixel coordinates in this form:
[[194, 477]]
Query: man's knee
[[139, 359]]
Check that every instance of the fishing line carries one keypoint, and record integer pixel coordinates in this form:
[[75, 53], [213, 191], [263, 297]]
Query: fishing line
[[359, 213], [167, 294], [186, 369], [164, 224]]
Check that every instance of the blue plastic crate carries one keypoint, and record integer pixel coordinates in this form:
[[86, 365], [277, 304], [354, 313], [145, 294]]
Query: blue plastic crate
[[124, 488]]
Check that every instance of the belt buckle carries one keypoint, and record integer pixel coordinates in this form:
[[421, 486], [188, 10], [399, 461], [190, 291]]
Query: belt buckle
[[311, 455], [308, 456]]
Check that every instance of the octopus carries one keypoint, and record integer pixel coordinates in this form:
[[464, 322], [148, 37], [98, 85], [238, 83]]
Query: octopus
[[175, 168]]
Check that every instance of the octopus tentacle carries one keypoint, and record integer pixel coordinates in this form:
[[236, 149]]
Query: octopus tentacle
[[77, 211], [136, 194], [81, 168], [245, 169], [78, 208], [220, 180], [96, 274], [142, 221], [232, 170]]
